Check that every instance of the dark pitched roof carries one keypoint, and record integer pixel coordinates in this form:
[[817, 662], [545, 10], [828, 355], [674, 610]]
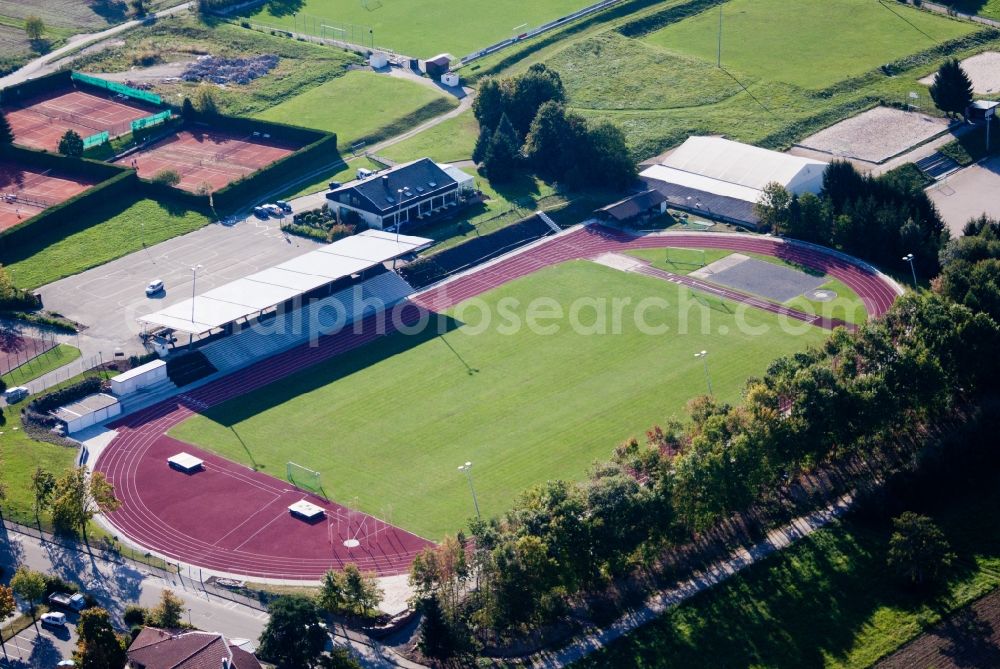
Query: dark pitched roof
[[714, 206], [161, 649], [634, 205], [419, 179]]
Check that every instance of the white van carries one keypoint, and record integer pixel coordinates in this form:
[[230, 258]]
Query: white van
[[15, 394]]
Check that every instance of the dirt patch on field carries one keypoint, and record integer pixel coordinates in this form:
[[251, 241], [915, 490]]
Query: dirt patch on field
[[983, 69], [968, 638], [876, 135]]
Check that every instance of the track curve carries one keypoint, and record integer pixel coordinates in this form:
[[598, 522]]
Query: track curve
[[233, 520]]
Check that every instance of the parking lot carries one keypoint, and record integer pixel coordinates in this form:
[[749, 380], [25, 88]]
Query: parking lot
[[107, 299], [43, 649], [968, 193]]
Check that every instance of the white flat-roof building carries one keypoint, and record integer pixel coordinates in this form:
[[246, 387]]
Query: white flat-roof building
[[88, 411], [723, 179]]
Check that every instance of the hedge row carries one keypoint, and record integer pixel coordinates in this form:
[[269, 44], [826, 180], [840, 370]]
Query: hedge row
[[662, 19], [93, 170], [237, 194], [122, 184], [33, 87]]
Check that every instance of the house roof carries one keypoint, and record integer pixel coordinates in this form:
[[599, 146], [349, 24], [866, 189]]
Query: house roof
[[379, 193], [162, 649], [713, 204], [737, 163], [633, 205]]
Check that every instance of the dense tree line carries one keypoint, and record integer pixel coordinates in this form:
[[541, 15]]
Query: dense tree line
[[878, 218], [862, 399], [523, 123]]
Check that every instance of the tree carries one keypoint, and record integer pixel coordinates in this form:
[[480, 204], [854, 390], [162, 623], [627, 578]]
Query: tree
[[169, 612], [773, 208], [77, 499], [34, 27], [331, 597], [918, 550], [187, 109], [531, 90], [7, 607], [71, 144], [204, 100], [952, 88], [338, 658], [43, 484], [503, 153], [602, 159], [6, 133], [361, 591], [138, 7], [293, 637], [98, 647], [436, 640], [29, 585], [167, 177]]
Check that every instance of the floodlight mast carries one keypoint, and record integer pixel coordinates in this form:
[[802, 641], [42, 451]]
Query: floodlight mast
[[467, 469], [909, 258], [704, 359]]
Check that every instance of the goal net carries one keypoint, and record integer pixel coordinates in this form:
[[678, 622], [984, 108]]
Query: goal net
[[303, 477]]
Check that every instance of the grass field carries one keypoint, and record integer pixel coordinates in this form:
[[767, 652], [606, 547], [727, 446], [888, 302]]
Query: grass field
[[19, 456], [848, 307], [825, 602], [53, 359], [360, 105], [421, 29], [388, 424], [449, 141], [830, 41], [301, 65], [103, 234], [662, 86]]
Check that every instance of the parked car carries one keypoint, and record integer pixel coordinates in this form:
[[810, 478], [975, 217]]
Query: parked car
[[66, 663], [15, 394], [260, 212], [273, 210], [74, 602], [53, 619], [284, 206], [155, 286], [334, 185]]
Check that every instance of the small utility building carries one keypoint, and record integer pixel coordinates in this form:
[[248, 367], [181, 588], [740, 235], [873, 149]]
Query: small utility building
[[722, 180], [410, 193], [88, 411]]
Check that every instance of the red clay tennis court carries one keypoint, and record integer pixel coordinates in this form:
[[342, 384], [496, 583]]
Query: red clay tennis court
[[41, 121], [208, 159], [26, 191]]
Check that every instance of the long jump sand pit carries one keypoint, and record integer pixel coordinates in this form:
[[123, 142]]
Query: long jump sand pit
[[26, 191], [983, 69], [40, 122], [208, 158], [876, 135]]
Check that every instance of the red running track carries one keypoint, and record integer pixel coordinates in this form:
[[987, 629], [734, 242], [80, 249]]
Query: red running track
[[229, 518]]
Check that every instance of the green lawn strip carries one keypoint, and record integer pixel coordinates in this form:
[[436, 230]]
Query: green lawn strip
[[53, 359], [356, 105], [301, 65], [828, 601], [20, 455], [449, 141], [524, 407], [98, 236], [418, 29], [759, 36], [847, 306]]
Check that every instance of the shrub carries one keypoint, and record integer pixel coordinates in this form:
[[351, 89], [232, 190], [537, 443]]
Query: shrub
[[167, 177]]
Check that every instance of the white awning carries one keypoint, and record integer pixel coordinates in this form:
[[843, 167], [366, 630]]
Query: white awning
[[267, 289]]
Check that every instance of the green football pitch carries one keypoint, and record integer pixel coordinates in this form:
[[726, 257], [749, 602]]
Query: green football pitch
[[419, 28], [388, 425], [809, 43]]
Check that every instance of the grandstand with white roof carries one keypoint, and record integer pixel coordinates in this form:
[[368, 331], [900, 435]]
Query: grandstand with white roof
[[280, 307]]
